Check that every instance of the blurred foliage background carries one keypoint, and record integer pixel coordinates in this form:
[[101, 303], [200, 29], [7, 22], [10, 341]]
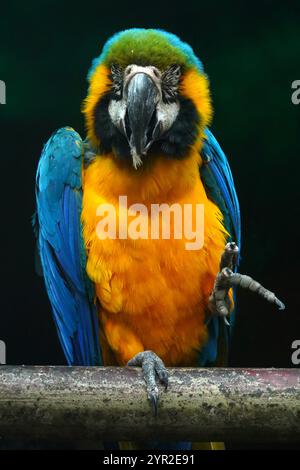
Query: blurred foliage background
[[251, 52]]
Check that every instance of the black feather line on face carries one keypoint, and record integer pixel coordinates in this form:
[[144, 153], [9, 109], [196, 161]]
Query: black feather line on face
[[116, 77], [169, 83], [174, 143]]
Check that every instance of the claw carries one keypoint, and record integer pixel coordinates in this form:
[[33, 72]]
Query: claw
[[280, 304], [151, 365], [163, 377], [230, 256], [153, 397], [161, 372], [226, 279]]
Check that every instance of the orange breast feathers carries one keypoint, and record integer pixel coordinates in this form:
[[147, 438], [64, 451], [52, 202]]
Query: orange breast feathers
[[152, 292]]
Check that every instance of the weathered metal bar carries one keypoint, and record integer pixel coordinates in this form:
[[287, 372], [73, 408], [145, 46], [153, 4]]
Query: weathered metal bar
[[75, 403]]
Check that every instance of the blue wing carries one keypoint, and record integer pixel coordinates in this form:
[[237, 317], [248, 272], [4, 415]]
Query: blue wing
[[217, 179], [61, 248]]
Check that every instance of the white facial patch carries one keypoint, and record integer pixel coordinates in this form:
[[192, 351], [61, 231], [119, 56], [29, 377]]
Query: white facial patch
[[117, 111], [166, 114]]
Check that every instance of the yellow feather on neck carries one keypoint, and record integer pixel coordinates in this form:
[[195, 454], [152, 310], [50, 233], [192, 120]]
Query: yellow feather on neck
[[162, 180]]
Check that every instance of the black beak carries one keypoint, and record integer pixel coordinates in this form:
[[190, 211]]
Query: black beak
[[140, 120]]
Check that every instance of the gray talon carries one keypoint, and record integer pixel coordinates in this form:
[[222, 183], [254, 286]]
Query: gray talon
[[280, 304], [151, 365], [153, 397], [230, 256], [226, 279], [163, 377]]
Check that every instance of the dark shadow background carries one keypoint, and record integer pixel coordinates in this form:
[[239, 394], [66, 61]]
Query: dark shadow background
[[251, 52]]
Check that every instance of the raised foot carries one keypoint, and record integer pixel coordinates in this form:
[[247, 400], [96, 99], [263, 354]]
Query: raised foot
[[219, 302], [152, 366]]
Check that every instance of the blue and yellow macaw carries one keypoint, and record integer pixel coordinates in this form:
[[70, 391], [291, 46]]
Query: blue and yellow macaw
[[143, 302]]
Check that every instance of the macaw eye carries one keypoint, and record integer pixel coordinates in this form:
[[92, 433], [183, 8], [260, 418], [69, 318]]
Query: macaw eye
[[170, 82], [117, 80]]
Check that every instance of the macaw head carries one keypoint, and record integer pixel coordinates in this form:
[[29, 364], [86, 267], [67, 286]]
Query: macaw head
[[148, 96]]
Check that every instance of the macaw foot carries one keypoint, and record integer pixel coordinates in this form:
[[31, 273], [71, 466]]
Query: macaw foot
[[219, 302], [151, 365]]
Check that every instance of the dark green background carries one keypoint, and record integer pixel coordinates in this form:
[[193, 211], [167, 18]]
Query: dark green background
[[251, 52]]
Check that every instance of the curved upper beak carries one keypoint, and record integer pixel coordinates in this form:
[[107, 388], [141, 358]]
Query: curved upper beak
[[142, 96]]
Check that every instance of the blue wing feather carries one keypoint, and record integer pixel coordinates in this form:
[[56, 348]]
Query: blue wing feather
[[217, 178], [59, 204], [218, 165]]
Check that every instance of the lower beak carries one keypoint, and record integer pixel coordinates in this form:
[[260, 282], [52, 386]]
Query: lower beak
[[140, 119]]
